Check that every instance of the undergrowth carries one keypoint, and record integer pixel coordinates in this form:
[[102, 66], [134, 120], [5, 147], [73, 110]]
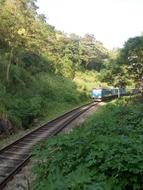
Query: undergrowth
[[104, 154], [29, 96], [86, 80]]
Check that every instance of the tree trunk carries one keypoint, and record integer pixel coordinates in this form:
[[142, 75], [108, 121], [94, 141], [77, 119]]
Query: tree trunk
[[9, 64]]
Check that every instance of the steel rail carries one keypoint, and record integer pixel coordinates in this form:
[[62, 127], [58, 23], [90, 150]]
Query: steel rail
[[20, 158]]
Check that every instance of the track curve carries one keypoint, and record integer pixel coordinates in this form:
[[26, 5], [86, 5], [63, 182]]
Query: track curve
[[14, 156]]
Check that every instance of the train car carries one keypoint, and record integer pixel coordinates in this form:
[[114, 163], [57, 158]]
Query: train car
[[135, 91], [114, 91], [106, 93], [96, 93], [122, 91], [99, 94], [118, 91]]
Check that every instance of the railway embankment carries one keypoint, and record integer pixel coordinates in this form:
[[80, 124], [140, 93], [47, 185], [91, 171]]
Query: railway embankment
[[44, 98]]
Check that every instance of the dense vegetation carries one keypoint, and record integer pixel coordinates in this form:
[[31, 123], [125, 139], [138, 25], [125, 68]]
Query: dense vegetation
[[42, 68], [38, 63], [125, 66], [104, 154], [44, 72], [43, 93]]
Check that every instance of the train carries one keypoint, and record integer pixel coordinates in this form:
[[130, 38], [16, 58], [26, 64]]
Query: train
[[100, 94]]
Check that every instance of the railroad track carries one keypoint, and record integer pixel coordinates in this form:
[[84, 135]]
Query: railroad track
[[14, 156]]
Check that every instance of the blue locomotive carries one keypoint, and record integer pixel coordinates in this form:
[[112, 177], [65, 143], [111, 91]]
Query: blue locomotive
[[105, 93]]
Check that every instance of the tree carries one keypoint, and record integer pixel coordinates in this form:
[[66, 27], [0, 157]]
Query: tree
[[92, 53], [114, 73], [132, 56], [23, 30]]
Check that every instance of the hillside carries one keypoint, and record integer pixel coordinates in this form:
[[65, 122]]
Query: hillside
[[42, 68]]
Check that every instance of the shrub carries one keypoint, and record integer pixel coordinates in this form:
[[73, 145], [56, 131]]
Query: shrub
[[105, 154], [29, 95]]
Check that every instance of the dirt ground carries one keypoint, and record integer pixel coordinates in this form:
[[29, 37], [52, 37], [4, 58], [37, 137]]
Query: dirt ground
[[22, 181]]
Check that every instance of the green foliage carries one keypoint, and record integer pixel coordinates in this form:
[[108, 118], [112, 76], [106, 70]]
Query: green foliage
[[66, 67], [86, 80], [114, 74], [34, 90], [104, 154], [31, 52], [30, 48], [132, 56], [125, 66], [30, 55], [92, 53]]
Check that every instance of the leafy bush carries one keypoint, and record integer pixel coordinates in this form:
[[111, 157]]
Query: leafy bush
[[105, 154], [86, 80], [33, 93]]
